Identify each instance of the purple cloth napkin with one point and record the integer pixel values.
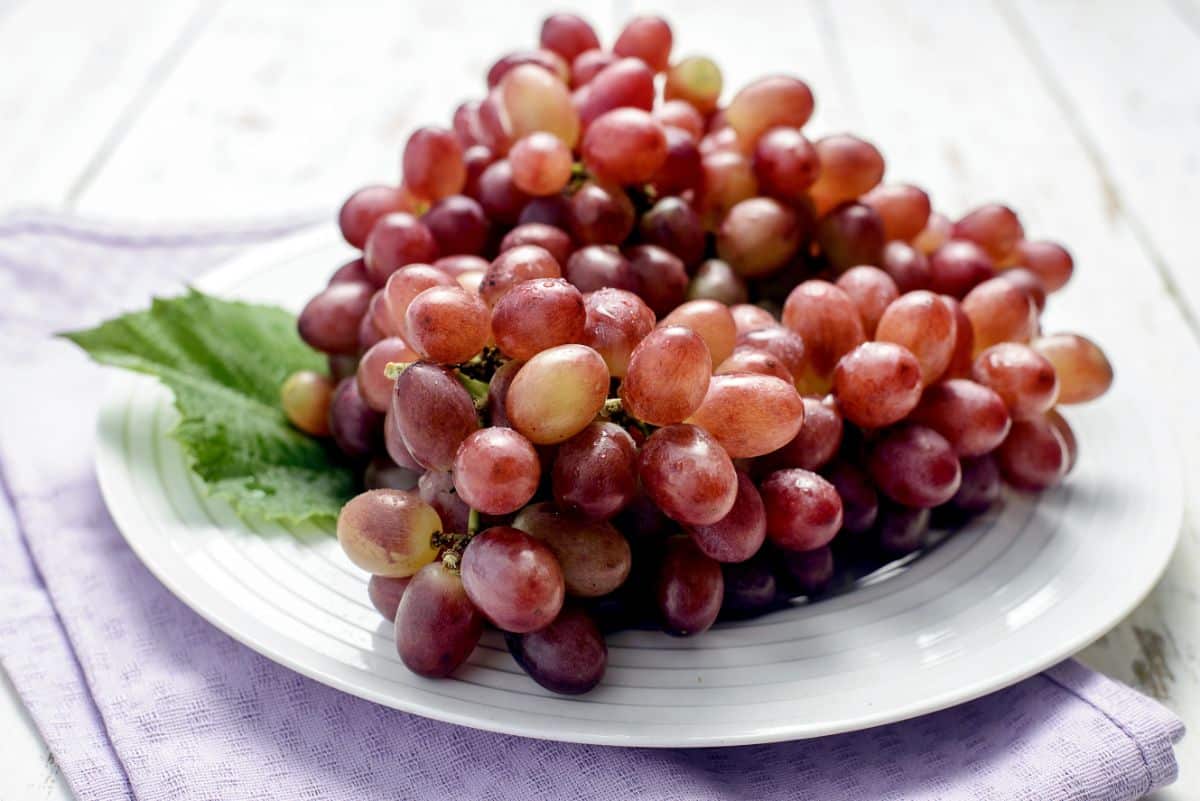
(139, 698)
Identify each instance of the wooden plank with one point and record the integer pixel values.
(1127, 74)
(72, 71)
(275, 111)
(965, 113)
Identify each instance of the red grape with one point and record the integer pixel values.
(993, 227)
(514, 266)
(667, 376)
(1050, 261)
(437, 625)
(356, 428)
(902, 529)
(387, 532)
(547, 59)
(647, 38)
(568, 656)
(447, 325)
(1000, 311)
(936, 233)
(972, 418)
(1029, 282)
(373, 385)
(433, 164)
(624, 146)
(727, 180)
(829, 324)
(595, 558)
(850, 167)
(904, 209)
(759, 236)
(1024, 378)
(851, 234)
(627, 82)
(683, 115)
(458, 224)
(711, 320)
(568, 35)
(536, 100)
(716, 280)
(499, 196)
(872, 291)
(750, 414)
(860, 501)
(329, 322)
(749, 318)
(600, 215)
(588, 65)
(803, 510)
(557, 393)
(907, 266)
(661, 277)
(555, 240)
(513, 579)
(598, 266)
(689, 589)
(396, 240)
(877, 384)
(1034, 455)
(1084, 372)
(595, 472)
(682, 167)
(433, 414)
(769, 102)
(782, 343)
(673, 225)
(818, 439)
(541, 164)
(406, 284)
(738, 535)
(385, 593)
(915, 466)
(687, 473)
(959, 266)
(616, 322)
(363, 209)
(786, 164)
(536, 315)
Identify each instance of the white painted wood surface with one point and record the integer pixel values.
(1083, 115)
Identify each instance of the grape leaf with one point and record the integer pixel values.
(225, 361)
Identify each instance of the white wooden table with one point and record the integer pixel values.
(1084, 115)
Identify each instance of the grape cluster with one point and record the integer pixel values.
(655, 358)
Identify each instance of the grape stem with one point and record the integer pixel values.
(394, 369)
(615, 412)
(477, 389)
(472, 522)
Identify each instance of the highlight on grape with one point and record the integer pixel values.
(612, 358)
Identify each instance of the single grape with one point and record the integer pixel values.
(432, 413)
(959, 266)
(750, 588)
(759, 236)
(476, 159)
(447, 325)
(459, 225)
(465, 122)
(829, 324)
(682, 168)
(673, 225)
(624, 146)
(1000, 311)
(352, 272)
(627, 82)
(782, 343)
(776, 100)
(877, 384)
(1029, 282)
(541, 164)
(436, 488)
(696, 80)
(818, 439)
(595, 558)
(305, 398)
(750, 415)
(536, 100)
(980, 488)
(872, 291)
(568, 35)
(682, 115)
(902, 529)
(588, 65)
(972, 418)
(363, 209)
(499, 195)
(496, 471)
(711, 320)
(1024, 378)
(662, 279)
(600, 215)
(727, 179)
(786, 164)
(569, 656)
(387, 532)
(375, 387)
(595, 472)
(1050, 261)
(616, 322)
(936, 233)
(1084, 372)
(515, 266)
(851, 234)
(330, 321)
(803, 509)
(557, 393)
(915, 466)
(433, 164)
(904, 209)
(963, 354)
(750, 360)
(720, 138)
(393, 443)
(459, 264)
(536, 315)
(925, 325)
(810, 572)
(716, 280)
(907, 266)
(1034, 456)
(554, 240)
(667, 377)
(385, 593)
(687, 473)
(396, 240)
(689, 590)
(383, 473)
(850, 167)
(552, 210)
(750, 318)
(513, 579)
(598, 266)
(548, 60)
(1060, 424)
(406, 284)
(437, 625)
(356, 428)
(738, 535)
(648, 38)
(860, 501)
(993, 227)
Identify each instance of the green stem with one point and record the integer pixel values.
(473, 522)
(478, 390)
(394, 369)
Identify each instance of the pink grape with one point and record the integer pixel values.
(568, 657)
(915, 466)
(396, 240)
(682, 115)
(600, 214)
(568, 35)
(588, 65)
(616, 322)
(500, 197)
(433, 414)
(993, 227)
(829, 324)
(447, 325)
(436, 488)
(1022, 377)
(667, 377)
(1048, 260)
(625, 146)
(907, 266)
(726, 180)
(959, 266)
(766, 103)
(373, 385)
(803, 509)
(738, 535)
(548, 60)
(758, 236)
(554, 240)
(536, 100)
(661, 277)
(817, 441)
(682, 168)
(686, 472)
(536, 315)
(557, 393)
(352, 272)
(541, 163)
(363, 209)
(513, 579)
(385, 593)
(433, 164)
(936, 233)
(1034, 455)
(749, 318)
(786, 164)
(458, 224)
(782, 343)
(406, 284)
(512, 267)
(712, 321)
(851, 234)
(689, 590)
(963, 354)
(1029, 282)
(850, 167)
(972, 418)
(1084, 372)
(598, 266)
(925, 325)
(496, 471)
(595, 472)
(437, 625)
(356, 428)
(904, 209)
(330, 321)
(647, 38)
(872, 291)
(627, 82)
(387, 532)
(1000, 311)
(745, 359)
(877, 384)
(750, 415)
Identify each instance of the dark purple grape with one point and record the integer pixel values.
(437, 626)
(356, 428)
(568, 656)
(690, 588)
(433, 414)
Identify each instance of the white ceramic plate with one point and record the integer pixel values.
(1019, 590)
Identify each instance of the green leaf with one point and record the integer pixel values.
(225, 361)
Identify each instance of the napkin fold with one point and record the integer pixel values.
(139, 698)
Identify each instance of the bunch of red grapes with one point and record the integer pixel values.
(657, 359)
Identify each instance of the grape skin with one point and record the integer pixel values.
(749, 414)
(668, 376)
(689, 590)
(513, 579)
(594, 557)
(738, 535)
(496, 471)
(387, 532)
(569, 656)
(437, 625)
(803, 510)
(688, 474)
